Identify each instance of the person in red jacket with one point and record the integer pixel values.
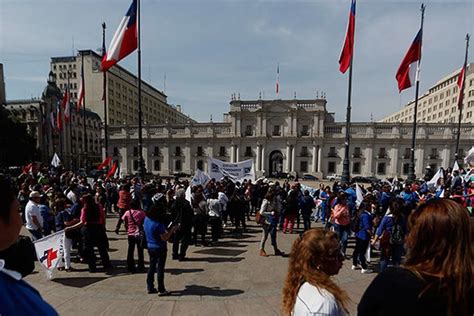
(123, 204)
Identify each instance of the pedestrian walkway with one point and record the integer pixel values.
(229, 278)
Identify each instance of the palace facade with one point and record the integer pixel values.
(293, 136)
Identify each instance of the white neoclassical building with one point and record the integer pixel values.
(294, 136)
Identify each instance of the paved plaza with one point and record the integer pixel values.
(229, 278)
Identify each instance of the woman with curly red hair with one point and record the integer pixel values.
(309, 289)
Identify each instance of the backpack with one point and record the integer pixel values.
(355, 223)
(396, 236)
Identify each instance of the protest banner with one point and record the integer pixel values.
(235, 171)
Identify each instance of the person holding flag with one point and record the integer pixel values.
(16, 296)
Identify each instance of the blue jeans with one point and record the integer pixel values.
(343, 232)
(157, 265)
(269, 229)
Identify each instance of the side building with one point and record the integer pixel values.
(67, 143)
(439, 103)
(293, 136)
(121, 93)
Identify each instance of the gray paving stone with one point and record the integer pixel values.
(229, 278)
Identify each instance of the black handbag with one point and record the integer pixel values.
(141, 237)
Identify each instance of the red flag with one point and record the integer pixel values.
(407, 72)
(59, 119)
(125, 39)
(278, 80)
(348, 48)
(80, 97)
(461, 86)
(112, 170)
(26, 169)
(65, 106)
(105, 163)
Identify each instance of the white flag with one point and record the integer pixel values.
(55, 162)
(200, 178)
(50, 251)
(360, 196)
(456, 166)
(434, 181)
(469, 159)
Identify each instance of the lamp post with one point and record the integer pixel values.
(50, 97)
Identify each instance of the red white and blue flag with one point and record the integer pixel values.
(125, 39)
(50, 252)
(408, 71)
(461, 85)
(66, 105)
(278, 80)
(347, 52)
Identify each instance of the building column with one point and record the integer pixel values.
(293, 156)
(420, 161)
(237, 153)
(369, 159)
(257, 167)
(288, 158)
(124, 163)
(232, 153)
(445, 156)
(187, 159)
(146, 162)
(262, 165)
(319, 158)
(394, 161)
(313, 168)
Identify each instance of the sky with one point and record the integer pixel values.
(210, 49)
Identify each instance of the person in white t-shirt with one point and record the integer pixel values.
(309, 290)
(34, 220)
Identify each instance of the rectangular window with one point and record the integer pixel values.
(331, 167)
(357, 152)
(304, 166)
(332, 152)
(276, 130)
(200, 152)
(177, 165)
(406, 168)
(356, 167)
(177, 151)
(381, 168)
(222, 151)
(248, 151)
(135, 165)
(135, 151)
(157, 165)
(305, 130)
(382, 153)
(304, 151)
(434, 153)
(116, 151)
(200, 165)
(248, 130)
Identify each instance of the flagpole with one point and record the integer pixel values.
(461, 92)
(411, 171)
(141, 163)
(70, 119)
(345, 178)
(104, 96)
(84, 109)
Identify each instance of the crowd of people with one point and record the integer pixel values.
(156, 212)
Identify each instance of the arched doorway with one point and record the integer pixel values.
(276, 162)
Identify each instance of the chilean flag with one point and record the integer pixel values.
(80, 97)
(112, 170)
(65, 105)
(105, 163)
(348, 48)
(125, 39)
(461, 85)
(278, 80)
(407, 72)
(59, 120)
